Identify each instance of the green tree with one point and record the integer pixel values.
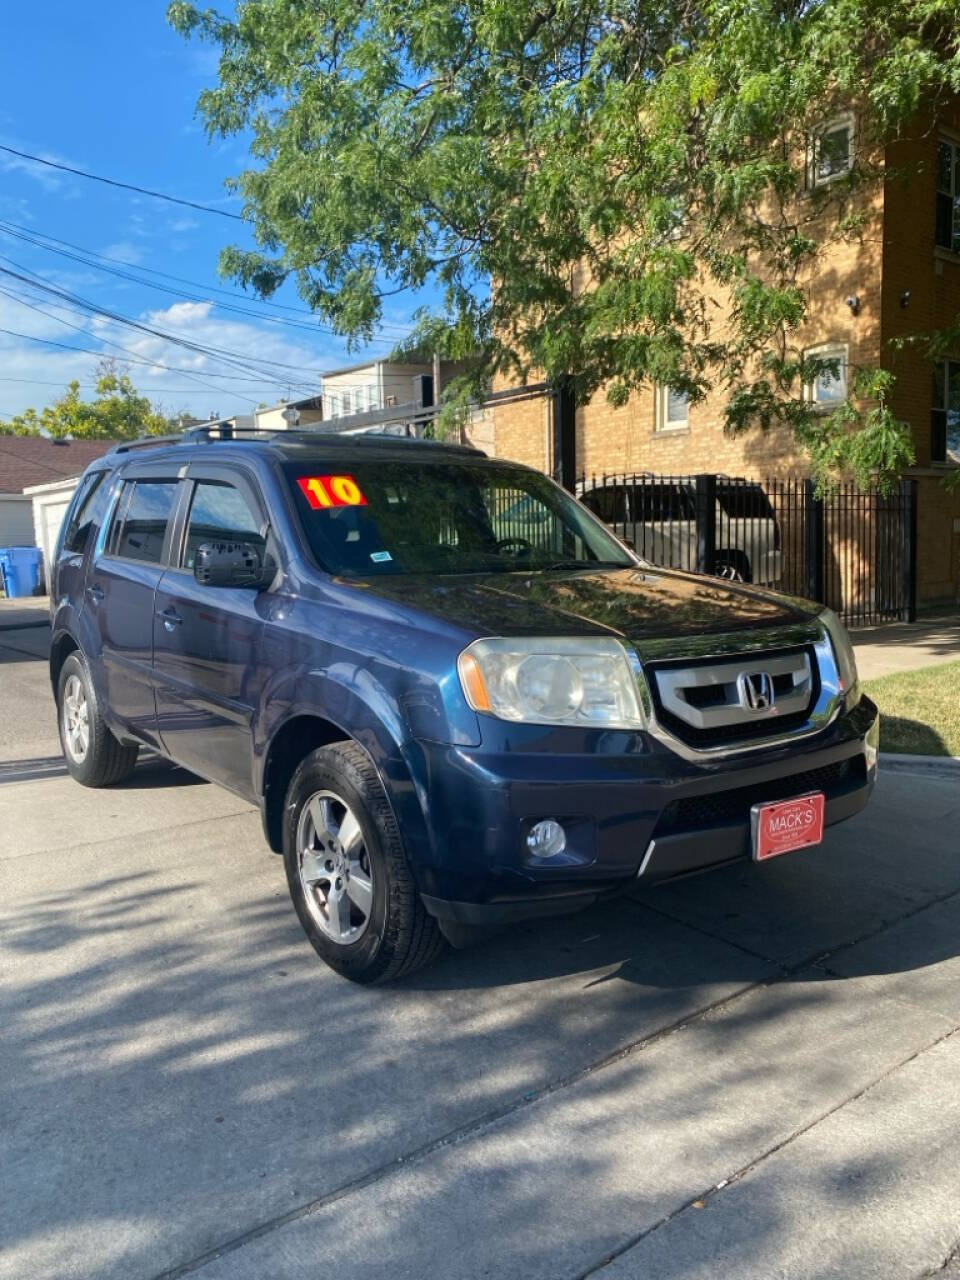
(575, 178)
(118, 412)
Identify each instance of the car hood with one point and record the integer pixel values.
(631, 603)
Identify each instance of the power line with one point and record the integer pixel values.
(135, 278)
(39, 240)
(126, 186)
(129, 358)
(45, 382)
(60, 320)
(223, 355)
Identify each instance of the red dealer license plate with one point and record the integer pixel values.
(786, 826)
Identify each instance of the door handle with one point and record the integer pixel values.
(169, 617)
(95, 593)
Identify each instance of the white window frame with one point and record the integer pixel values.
(829, 351)
(846, 120)
(661, 423)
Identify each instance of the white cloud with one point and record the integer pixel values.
(124, 251)
(49, 179)
(181, 385)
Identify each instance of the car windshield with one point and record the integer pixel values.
(369, 518)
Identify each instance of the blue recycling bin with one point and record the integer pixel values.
(21, 568)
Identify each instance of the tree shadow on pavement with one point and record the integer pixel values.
(178, 1067)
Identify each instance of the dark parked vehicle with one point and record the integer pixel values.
(444, 724)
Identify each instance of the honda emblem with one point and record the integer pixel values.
(756, 691)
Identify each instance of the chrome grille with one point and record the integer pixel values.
(728, 700)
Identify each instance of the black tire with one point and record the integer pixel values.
(399, 935)
(106, 760)
(732, 565)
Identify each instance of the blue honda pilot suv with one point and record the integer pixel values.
(455, 697)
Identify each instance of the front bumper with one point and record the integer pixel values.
(631, 808)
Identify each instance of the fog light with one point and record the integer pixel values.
(546, 838)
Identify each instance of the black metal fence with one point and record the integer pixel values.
(852, 549)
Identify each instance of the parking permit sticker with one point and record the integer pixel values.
(380, 557)
(331, 491)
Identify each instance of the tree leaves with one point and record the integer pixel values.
(608, 190)
(117, 413)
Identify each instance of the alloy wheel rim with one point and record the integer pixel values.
(334, 867)
(76, 719)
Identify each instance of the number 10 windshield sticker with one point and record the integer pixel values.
(331, 491)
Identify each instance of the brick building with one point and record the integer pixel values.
(899, 276)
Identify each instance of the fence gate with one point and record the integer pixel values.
(853, 549)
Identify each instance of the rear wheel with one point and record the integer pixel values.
(347, 871)
(93, 755)
(732, 565)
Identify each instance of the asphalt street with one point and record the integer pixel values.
(755, 1073)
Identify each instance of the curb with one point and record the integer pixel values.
(24, 626)
(944, 766)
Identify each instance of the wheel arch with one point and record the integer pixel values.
(291, 742)
(60, 650)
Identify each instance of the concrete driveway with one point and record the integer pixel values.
(751, 1074)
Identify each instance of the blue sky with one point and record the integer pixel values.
(110, 88)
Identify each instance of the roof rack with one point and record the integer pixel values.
(203, 434)
(147, 442)
(200, 434)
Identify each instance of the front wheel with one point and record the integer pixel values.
(347, 871)
(93, 755)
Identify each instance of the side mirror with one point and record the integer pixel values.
(232, 564)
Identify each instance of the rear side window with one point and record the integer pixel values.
(744, 502)
(661, 502)
(86, 513)
(220, 513)
(143, 514)
(609, 503)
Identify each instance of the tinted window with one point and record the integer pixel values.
(145, 513)
(220, 513)
(660, 502)
(442, 517)
(608, 503)
(744, 502)
(86, 513)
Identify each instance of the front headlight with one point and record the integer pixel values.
(842, 651)
(587, 682)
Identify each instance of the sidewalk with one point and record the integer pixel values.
(905, 646)
(28, 611)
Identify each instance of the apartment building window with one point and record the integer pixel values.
(945, 414)
(948, 195)
(673, 409)
(831, 153)
(829, 388)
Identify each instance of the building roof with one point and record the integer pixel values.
(30, 460)
(355, 368)
(412, 360)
